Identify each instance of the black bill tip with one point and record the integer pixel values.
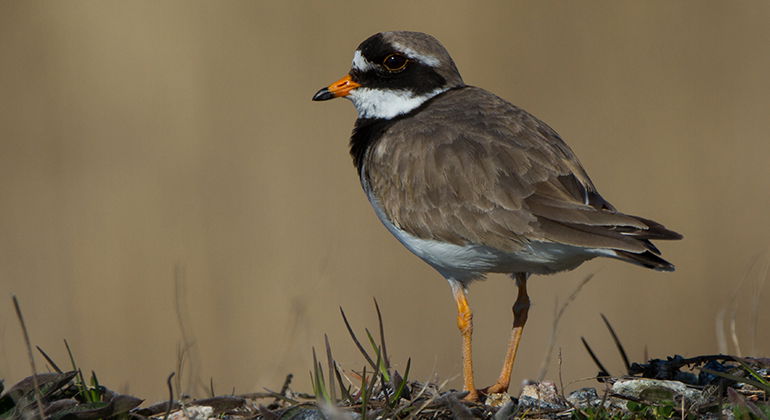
(323, 95)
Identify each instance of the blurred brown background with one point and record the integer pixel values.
(136, 137)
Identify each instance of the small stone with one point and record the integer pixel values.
(583, 397)
(543, 391)
(655, 389)
(197, 412)
(529, 403)
(497, 400)
(303, 412)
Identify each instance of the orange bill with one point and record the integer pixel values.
(337, 89)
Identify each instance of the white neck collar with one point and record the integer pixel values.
(387, 103)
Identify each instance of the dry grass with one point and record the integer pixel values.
(726, 385)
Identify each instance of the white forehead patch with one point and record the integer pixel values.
(425, 59)
(360, 63)
(387, 103)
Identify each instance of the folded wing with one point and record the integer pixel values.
(498, 176)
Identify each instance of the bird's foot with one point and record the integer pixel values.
(497, 388)
(473, 396)
(476, 394)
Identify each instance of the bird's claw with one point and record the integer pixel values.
(495, 389)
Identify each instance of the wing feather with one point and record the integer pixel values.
(472, 168)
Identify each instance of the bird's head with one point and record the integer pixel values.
(394, 73)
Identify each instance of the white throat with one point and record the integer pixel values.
(387, 103)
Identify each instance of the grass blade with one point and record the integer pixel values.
(401, 385)
(602, 371)
(330, 359)
(617, 343)
(751, 371)
(80, 381)
(343, 390)
(49, 360)
(313, 383)
(320, 388)
(355, 340)
(95, 392)
(373, 382)
(27, 342)
(738, 379)
(314, 376)
(382, 335)
(364, 395)
(381, 368)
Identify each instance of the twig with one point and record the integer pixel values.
(170, 395)
(38, 396)
(734, 333)
(423, 406)
(412, 401)
(561, 380)
(286, 383)
(555, 326)
(273, 394)
(188, 345)
(266, 413)
(181, 351)
(719, 320)
(734, 306)
(756, 302)
(564, 397)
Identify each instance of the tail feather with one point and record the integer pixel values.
(655, 230)
(645, 259)
(572, 212)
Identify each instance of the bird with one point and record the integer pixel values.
(473, 184)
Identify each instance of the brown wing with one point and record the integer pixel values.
(472, 168)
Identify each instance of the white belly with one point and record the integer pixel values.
(466, 263)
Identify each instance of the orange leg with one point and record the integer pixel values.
(465, 324)
(520, 311)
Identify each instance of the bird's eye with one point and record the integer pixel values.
(395, 62)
